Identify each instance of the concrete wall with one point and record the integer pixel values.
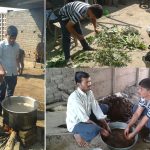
(105, 81)
(124, 77)
(143, 72)
(30, 27)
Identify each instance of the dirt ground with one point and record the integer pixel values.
(31, 83)
(123, 15)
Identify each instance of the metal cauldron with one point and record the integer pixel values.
(120, 125)
(20, 112)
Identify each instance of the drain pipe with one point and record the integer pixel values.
(137, 76)
(113, 80)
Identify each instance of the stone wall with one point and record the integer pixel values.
(105, 81)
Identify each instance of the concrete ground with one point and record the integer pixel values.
(59, 138)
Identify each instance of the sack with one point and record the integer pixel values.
(52, 15)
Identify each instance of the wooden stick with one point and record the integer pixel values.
(10, 142)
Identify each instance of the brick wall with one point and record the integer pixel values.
(30, 27)
(105, 81)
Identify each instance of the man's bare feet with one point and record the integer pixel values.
(81, 142)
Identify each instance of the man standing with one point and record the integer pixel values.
(82, 108)
(71, 14)
(9, 51)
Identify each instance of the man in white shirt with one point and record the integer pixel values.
(80, 108)
(9, 52)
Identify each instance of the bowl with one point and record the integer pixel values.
(120, 125)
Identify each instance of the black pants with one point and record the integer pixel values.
(66, 39)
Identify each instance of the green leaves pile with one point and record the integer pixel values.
(114, 43)
(112, 57)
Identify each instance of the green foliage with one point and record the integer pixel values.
(57, 61)
(112, 57)
(113, 44)
(90, 39)
(125, 38)
(84, 57)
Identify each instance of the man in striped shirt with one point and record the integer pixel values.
(141, 111)
(70, 15)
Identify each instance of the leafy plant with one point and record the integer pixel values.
(90, 39)
(112, 42)
(84, 57)
(112, 57)
(56, 61)
(125, 38)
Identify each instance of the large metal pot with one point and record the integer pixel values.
(121, 125)
(20, 112)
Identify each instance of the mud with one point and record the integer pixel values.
(117, 139)
(120, 109)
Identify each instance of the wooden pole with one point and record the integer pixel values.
(113, 80)
(10, 142)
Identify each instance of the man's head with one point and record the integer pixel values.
(95, 11)
(144, 88)
(83, 81)
(11, 34)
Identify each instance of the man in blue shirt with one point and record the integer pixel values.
(9, 52)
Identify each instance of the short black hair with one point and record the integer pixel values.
(79, 75)
(12, 31)
(97, 10)
(145, 83)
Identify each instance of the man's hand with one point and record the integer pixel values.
(2, 73)
(130, 136)
(104, 132)
(96, 31)
(104, 125)
(126, 131)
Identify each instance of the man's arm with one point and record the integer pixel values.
(2, 73)
(138, 127)
(93, 20)
(104, 125)
(70, 27)
(135, 116)
(17, 56)
(141, 124)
